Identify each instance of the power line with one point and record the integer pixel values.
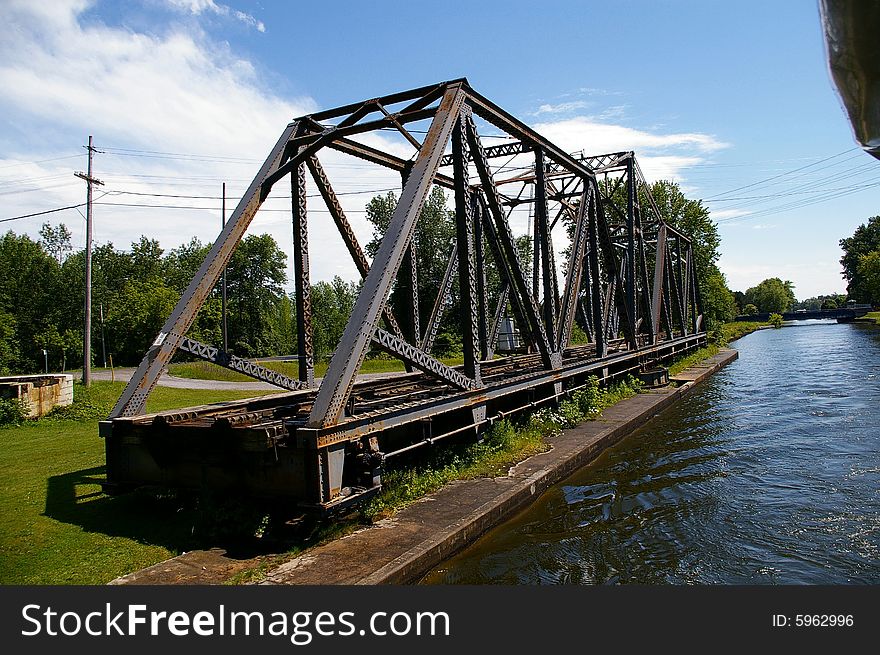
(774, 177)
(195, 197)
(213, 209)
(48, 211)
(797, 204)
(796, 193)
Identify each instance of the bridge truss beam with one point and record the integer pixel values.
(599, 206)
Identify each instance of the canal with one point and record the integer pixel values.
(767, 473)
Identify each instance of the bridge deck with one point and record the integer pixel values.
(268, 439)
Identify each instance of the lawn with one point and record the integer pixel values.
(56, 525)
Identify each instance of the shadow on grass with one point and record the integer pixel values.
(148, 517)
(178, 521)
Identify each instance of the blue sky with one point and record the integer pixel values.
(733, 100)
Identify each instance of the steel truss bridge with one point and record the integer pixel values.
(628, 280)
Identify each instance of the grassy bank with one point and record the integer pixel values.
(728, 332)
(56, 525)
(505, 444)
(208, 371)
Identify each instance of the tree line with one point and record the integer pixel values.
(134, 290)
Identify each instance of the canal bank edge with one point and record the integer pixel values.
(402, 549)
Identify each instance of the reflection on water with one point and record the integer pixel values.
(768, 473)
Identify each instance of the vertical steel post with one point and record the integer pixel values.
(543, 233)
(304, 347)
(482, 302)
(536, 248)
(644, 292)
(686, 282)
(657, 296)
(595, 280)
(630, 280)
(464, 230)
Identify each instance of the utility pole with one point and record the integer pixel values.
(87, 332)
(223, 296)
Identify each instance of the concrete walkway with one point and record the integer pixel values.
(402, 549)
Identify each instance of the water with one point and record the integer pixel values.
(767, 473)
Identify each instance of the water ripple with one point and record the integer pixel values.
(768, 474)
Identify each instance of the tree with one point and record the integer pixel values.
(719, 305)
(30, 292)
(435, 234)
(869, 276)
(9, 355)
(332, 303)
(750, 310)
(772, 295)
(864, 240)
(692, 218)
(255, 276)
(134, 320)
(56, 241)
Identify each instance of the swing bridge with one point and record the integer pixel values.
(627, 281)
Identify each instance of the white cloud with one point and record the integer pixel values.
(661, 156)
(197, 7)
(173, 92)
(584, 133)
(562, 107)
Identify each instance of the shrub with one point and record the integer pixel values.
(13, 411)
(775, 320)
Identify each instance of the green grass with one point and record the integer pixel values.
(56, 526)
(209, 371)
(736, 329)
(727, 333)
(689, 360)
(874, 315)
(505, 444)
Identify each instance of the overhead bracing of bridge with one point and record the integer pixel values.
(625, 277)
